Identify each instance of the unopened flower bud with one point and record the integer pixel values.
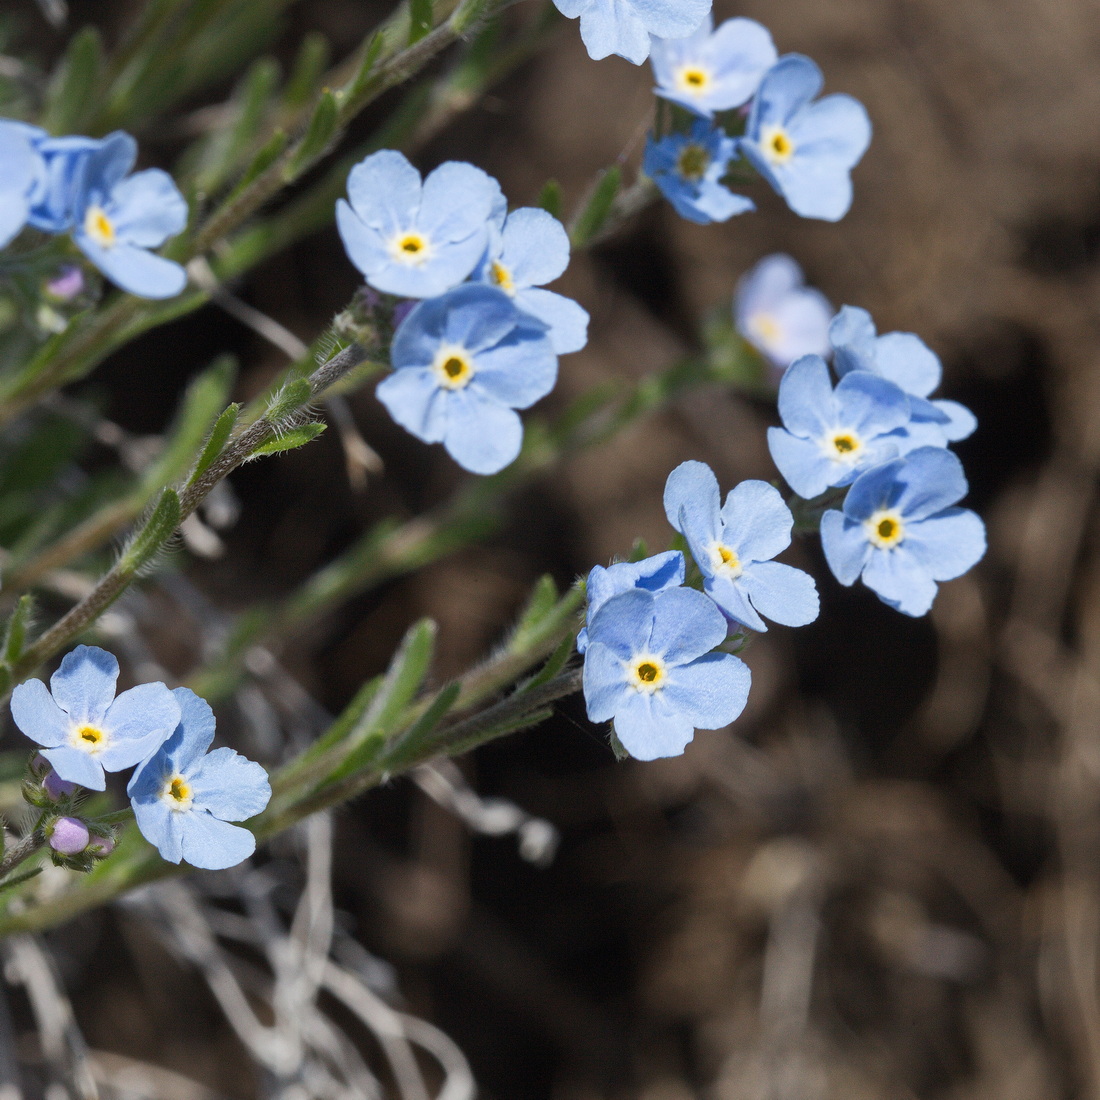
(56, 787)
(66, 284)
(69, 836)
(101, 846)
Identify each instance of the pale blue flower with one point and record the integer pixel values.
(653, 574)
(185, 797)
(624, 27)
(900, 531)
(527, 249)
(463, 363)
(83, 728)
(119, 217)
(412, 238)
(908, 362)
(20, 170)
(713, 70)
(649, 669)
(56, 194)
(779, 315)
(688, 168)
(806, 150)
(733, 545)
(828, 437)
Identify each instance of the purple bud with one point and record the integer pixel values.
(40, 766)
(101, 845)
(66, 284)
(69, 836)
(56, 787)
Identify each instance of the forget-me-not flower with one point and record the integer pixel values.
(829, 436)
(84, 730)
(900, 531)
(20, 169)
(417, 239)
(624, 27)
(463, 363)
(779, 315)
(57, 191)
(528, 248)
(733, 544)
(906, 360)
(119, 217)
(184, 797)
(713, 70)
(688, 168)
(806, 150)
(653, 574)
(650, 669)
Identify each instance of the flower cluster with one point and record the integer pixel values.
(650, 644)
(879, 432)
(804, 147)
(485, 337)
(184, 797)
(86, 187)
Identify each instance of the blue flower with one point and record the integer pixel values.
(20, 169)
(688, 169)
(411, 238)
(900, 532)
(185, 797)
(733, 545)
(653, 574)
(57, 191)
(463, 363)
(713, 70)
(806, 150)
(828, 437)
(908, 362)
(779, 315)
(649, 668)
(83, 728)
(118, 217)
(527, 249)
(624, 27)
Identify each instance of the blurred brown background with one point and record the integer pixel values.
(884, 881)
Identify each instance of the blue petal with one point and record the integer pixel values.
(790, 84)
(947, 544)
(38, 716)
(653, 574)
(909, 362)
(845, 544)
(137, 723)
(605, 685)
(482, 435)
(623, 27)
(692, 501)
(147, 209)
(624, 623)
(567, 321)
(685, 625)
(535, 247)
(733, 601)
(900, 581)
(852, 334)
(832, 133)
(961, 421)
(931, 479)
(194, 733)
(133, 269)
(807, 406)
(84, 685)
(230, 786)
(76, 766)
(870, 404)
(757, 521)
(365, 246)
(801, 462)
(211, 844)
(785, 595)
(413, 398)
(648, 732)
(710, 692)
(161, 826)
(106, 167)
(473, 316)
(456, 203)
(764, 287)
(385, 192)
(803, 323)
(519, 370)
(421, 332)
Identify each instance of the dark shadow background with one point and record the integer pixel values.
(883, 881)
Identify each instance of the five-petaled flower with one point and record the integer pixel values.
(83, 728)
(184, 797)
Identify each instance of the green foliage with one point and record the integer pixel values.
(154, 534)
(291, 439)
(73, 93)
(593, 216)
(15, 633)
(219, 435)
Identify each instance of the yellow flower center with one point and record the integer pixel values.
(693, 80)
(502, 277)
(725, 562)
(90, 739)
(885, 529)
(777, 145)
(843, 446)
(693, 162)
(453, 368)
(766, 329)
(177, 793)
(410, 248)
(646, 673)
(99, 227)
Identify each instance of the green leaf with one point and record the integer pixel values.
(550, 198)
(554, 664)
(15, 635)
(289, 400)
(359, 83)
(540, 605)
(73, 93)
(309, 67)
(617, 747)
(421, 18)
(591, 219)
(318, 136)
(291, 440)
(410, 741)
(16, 880)
(157, 530)
(219, 434)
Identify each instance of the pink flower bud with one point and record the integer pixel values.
(69, 836)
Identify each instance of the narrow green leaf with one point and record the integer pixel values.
(358, 83)
(554, 664)
(16, 880)
(421, 18)
(592, 217)
(157, 530)
(73, 93)
(309, 67)
(550, 198)
(219, 434)
(15, 636)
(410, 741)
(618, 748)
(318, 136)
(291, 440)
(289, 400)
(348, 719)
(540, 605)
